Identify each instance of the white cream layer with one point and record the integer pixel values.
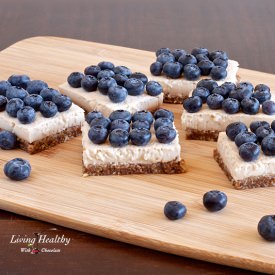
(42, 127)
(95, 101)
(94, 154)
(238, 168)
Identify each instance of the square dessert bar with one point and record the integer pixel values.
(116, 146)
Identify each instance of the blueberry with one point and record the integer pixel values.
(201, 57)
(121, 114)
(26, 115)
(92, 115)
(249, 151)
(262, 87)
(139, 124)
(106, 65)
(156, 68)
(153, 88)
(165, 134)
(174, 210)
(74, 79)
(250, 106)
(200, 50)
(268, 145)
(135, 87)
(218, 73)
(266, 227)
(256, 124)
(268, 107)
(172, 69)
(202, 92)
(240, 93)
(120, 79)
(162, 50)
(233, 129)
(17, 169)
(89, 83)
(231, 105)
(143, 115)
(187, 59)
(62, 102)
(122, 70)
(262, 95)
(273, 125)
(140, 137)
(218, 54)
(244, 137)
(19, 80)
(207, 83)
(7, 140)
(119, 138)
(48, 109)
(191, 72)
(192, 104)
(13, 106)
(117, 94)
(36, 86)
(164, 113)
(16, 92)
(162, 121)
(92, 70)
(205, 66)
(214, 200)
(263, 132)
(103, 121)
(104, 84)
(119, 124)
(140, 76)
(220, 62)
(246, 85)
(98, 134)
(221, 90)
(105, 73)
(177, 53)
(4, 85)
(3, 103)
(48, 93)
(214, 101)
(165, 57)
(229, 86)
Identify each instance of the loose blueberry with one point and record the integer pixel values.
(240, 93)
(231, 105)
(191, 72)
(229, 86)
(7, 140)
(174, 210)
(220, 62)
(156, 68)
(143, 115)
(273, 125)
(249, 151)
(268, 145)
(48, 109)
(162, 50)
(153, 88)
(250, 106)
(221, 90)
(245, 137)
(214, 200)
(164, 113)
(233, 129)
(268, 107)
(135, 87)
(201, 57)
(98, 134)
(262, 95)
(117, 94)
(263, 132)
(202, 92)
(119, 124)
(49, 93)
(36, 86)
(119, 138)
(120, 79)
(105, 73)
(106, 65)
(256, 124)
(74, 79)
(165, 134)
(187, 59)
(3, 103)
(92, 115)
(177, 53)
(172, 69)
(89, 83)
(121, 114)
(103, 121)
(218, 54)
(192, 104)
(140, 76)
(140, 137)
(205, 66)
(4, 85)
(214, 101)
(62, 102)
(266, 227)
(139, 124)
(122, 70)
(26, 115)
(218, 73)
(246, 85)
(13, 106)
(200, 50)
(19, 80)
(16, 92)
(207, 83)
(105, 83)
(17, 169)
(162, 121)
(165, 57)
(92, 70)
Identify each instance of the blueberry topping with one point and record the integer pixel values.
(273, 125)
(172, 69)
(201, 57)
(119, 138)
(89, 83)
(202, 92)
(7, 140)
(103, 121)
(74, 79)
(266, 227)
(140, 137)
(98, 134)
(139, 124)
(165, 57)
(164, 113)
(17, 169)
(153, 88)
(177, 53)
(192, 104)
(122, 70)
(209, 84)
(218, 73)
(143, 115)
(246, 85)
(174, 210)
(214, 200)
(49, 93)
(119, 124)
(165, 134)
(121, 114)
(187, 59)
(218, 54)
(117, 94)
(105, 83)
(120, 79)
(229, 86)
(262, 87)
(221, 90)
(13, 106)
(140, 76)
(105, 73)
(250, 106)
(214, 101)
(36, 86)
(62, 102)
(220, 62)
(263, 132)
(205, 66)
(92, 115)
(4, 85)
(262, 95)
(135, 87)
(92, 70)
(162, 50)
(26, 115)
(233, 129)
(191, 72)
(231, 105)
(268, 145)
(200, 50)
(19, 80)
(3, 103)
(156, 68)
(240, 93)
(256, 124)
(16, 92)
(162, 121)
(106, 65)
(268, 107)
(48, 109)
(249, 151)
(245, 137)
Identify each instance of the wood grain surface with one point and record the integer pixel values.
(129, 208)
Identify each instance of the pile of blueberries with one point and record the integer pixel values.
(122, 127)
(230, 97)
(201, 62)
(250, 143)
(114, 82)
(21, 97)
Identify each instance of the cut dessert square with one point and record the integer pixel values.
(128, 146)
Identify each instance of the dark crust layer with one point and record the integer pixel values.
(208, 135)
(171, 167)
(173, 99)
(247, 183)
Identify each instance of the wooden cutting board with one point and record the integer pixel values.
(130, 208)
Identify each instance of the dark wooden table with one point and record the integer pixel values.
(244, 28)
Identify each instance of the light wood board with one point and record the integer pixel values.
(130, 208)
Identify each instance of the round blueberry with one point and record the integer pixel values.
(13, 106)
(245, 137)
(262, 87)
(35, 86)
(122, 70)
(250, 106)
(17, 169)
(187, 59)
(231, 105)
(246, 85)
(119, 138)
(174, 210)
(214, 200)
(263, 132)
(266, 227)
(7, 140)
(218, 73)
(221, 90)
(202, 92)
(139, 124)
(249, 151)
(156, 68)
(177, 53)
(98, 134)
(4, 85)
(162, 50)
(165, 134)
(201, 57)
(207, 83)
(3, 103)
(120, 79)
(268, 145)
(48, 94)
(220, 62)
(205, 66)
(240, 93)
(153, 88)
(199, 50)
(262, 95)
(117, 94)
(89, 83)
(121, 114)
(135, 87)
(48, 109)
(92, 70)
(26, 115)
(16, 92)
(105, 83)
(92, 115)
(74, 79)
(229, 86)
(19, 80)
(106, 65)
(218, 54)
(191, 72)
(103, 121)
(140, 137)
(172, 69)
(140, 76)
(214, 101)
(233, 129)
(268, 107)
(192, 104)
(254, 125)
(164, 113)
(165, 57)
(105, 73)
(119, 124)
(162, 121)
(273, 125)
(62, 102)
(143, 115)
